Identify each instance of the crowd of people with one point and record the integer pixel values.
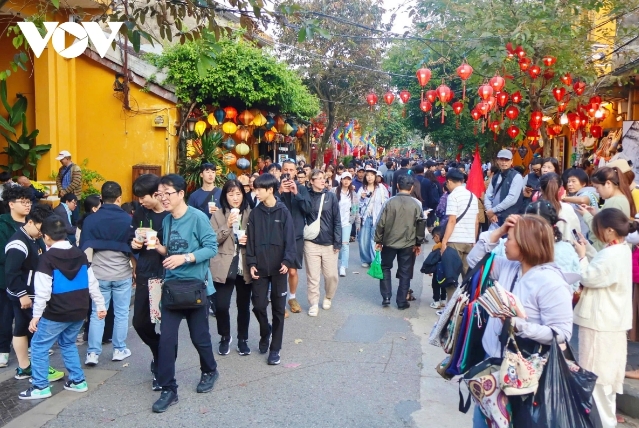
(558, 237)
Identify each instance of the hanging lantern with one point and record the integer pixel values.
(522, 151)
(229, 128)
(513, 131)
(485, 92)
(596, 101)
(534, 124)
(242, 134)
(219, 115)
(279, 123)
(425, 106)
(423, 77)
(492, 102)
(270, 122)
(502, 99)
(389, 97)
(559, 93)
(371, 100)
(483, 107)
(583, 120)
(497, 83)
(534, 71)
(287, 129)
(464, 72)
(596, 131)
(259, 120)
(566, 79)
(549, 74)
(476, 115)
(211, 120)
(549, 61)
(269, 136)
(457, 109)
(524, 64)
(243, 163)
(229, 159)
(246, 117)
(242, 149)
(579, 87)
(445, 95)
(495, 126)
(556, 129)
(229, 143)
(592, 110)
(200, 127)
(404, 96)
(537, 116)
(520, 52)
(561, 107)
(574, 121)
(516, 97)
(230, 113)
(512, 112)
(431, 95)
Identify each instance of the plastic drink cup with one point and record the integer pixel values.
(240, 233)
(235, 211)
(151, 239)
(140, 235)
(211, 205)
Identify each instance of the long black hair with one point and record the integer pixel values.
(90, 202)
(338, 191)
(546, 210)
(228, 186)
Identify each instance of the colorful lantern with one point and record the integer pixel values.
(389, 97)
(211, 120)
(516, 97)
(229, 159)
(513, 131)
(371, 99)
(242, 134)
(279, 123)
(596, 100)
(229, 143)
(592, 110)
(556, 128)
(243, 163)
(445, 95)
(534, 71)
(534, 124)
(242, 149)
(259, 119)
(246, 117)
(492, 102)
(230, 113)
(596, 131)
(559, 93)
(497, 82)
(566, 79)
(512, 112)
(270, 122)
(574, 121)
(561, 107)
(476, 115)
(583, 120)
(219, 115)
(579, 87)
(485, 92)
(287, 129)
(483, 107)
(229, 128)
(549, 61)
(431, 95)
(423, 76)
(464, 72)
(495, 126)
(269, 136)
(200, 127)
(524, 64)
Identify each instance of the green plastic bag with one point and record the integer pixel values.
(376, 267)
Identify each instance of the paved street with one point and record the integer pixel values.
(353, 366)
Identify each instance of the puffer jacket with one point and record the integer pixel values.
(397, 224)
(330, 222)
(221, 263)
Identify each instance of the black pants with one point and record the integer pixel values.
(223, 294)
(405, 265)
(439, 290)
(278, 305)
(198, 322)
(142, 317)
(6, 322)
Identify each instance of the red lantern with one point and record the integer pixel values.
(534, 124)
(534, 71)
(269, 136)
(371, 99)
(464, 72)
(536, 116)
(596, 100)
(561, 107)
(557, 129)
(559, 93)
(485, 92)
(524, 64)
(483, 107)
(549, 74)
(389, 97)
(425, 106)
(431, 95)
(404, 96)
(497, 82)
(492, 101)
(230, 113)
(476, 115)
(549, 61)
(502, 99)
(596, 131)
(445, 95)
(495, 126)
(592, 109)
(423, 76)
(516, 97)
(583, 120)
(579, 87)
(520, 52)
(458, 107)
(566, 79)
(512, 112)
(513, 131)
(574, 121)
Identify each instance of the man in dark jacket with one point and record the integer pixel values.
(298, 202)
(504, 194)
(35, 194)
(270, 252)
(403, 170)
(321, 252)
(397, 235)
(68, 203)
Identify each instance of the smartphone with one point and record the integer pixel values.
(576, 235)
(286, 177)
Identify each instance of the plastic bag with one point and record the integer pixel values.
(564, 396)
(376, 267)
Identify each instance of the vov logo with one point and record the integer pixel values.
(83, 33)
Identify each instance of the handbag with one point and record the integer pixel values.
(311, 231)
(376, 267)
(155, 295)
(235, 263)
(519, 375)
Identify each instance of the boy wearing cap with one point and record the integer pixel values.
(504, 194)
(208, 192)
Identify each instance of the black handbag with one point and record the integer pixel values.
(235, 262)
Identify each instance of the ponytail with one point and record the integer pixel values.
(550, 184)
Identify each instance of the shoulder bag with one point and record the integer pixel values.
(311, 231)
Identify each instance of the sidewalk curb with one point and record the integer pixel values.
(628, 402)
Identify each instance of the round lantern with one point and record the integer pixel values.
(549, 61)
(371, 99)
(559, 93)
(497, 82)
(592, 109)
(524, 64)
(549, 74)
(404, 96)
(516, 97)
(230, 112)
(537, 116)
(423, 76)
(574, 121)
(229, 143)
(243, 163)
(596, 100)
(229, 159)
(520, 51)
(534, 124)
(534, 71)
(556, 128)
(242, 149)
(445, 95)
(458, 107)
(200, 127)
(579, 87)
(431, 95)
(566, 79)
(513, 131)
(512, 112)
(212, 120)
(269, 136)
(492, 102)
(561, 107)
(242, 134)
(583, 120)
(464, 72)
(485, 92)
(231, 176)
(596, 131)
(495, 126)
(475, 114)
(219, 115)
(389, 97)
(425, 106)
(246, 117)
(259, 119)
(229, 128)
(502, 99)
(483, 107)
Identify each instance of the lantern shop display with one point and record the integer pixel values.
(242, 149)
(230, 113)
(259, 119)
(229, 128)
(200, 127)
(219, 115)
(212, 120)
(229, 159)
(229, 143)
(246, 117)
(243, 163)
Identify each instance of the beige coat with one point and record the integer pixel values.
(221, 263)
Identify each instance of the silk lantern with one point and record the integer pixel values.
(219, 115)
(445, 95)
(229, 128)
(457, 109)
(242, 149)
(242, 134)
(246, 117)
(230, 113)
(269, 136)
(476, 115)
(566, 79)
(371, 99)
(534, 71)
(520, 51)
(200, 127)
(561, 107)
(425, 106)
(502, 99)
(497, 82)
(431, 96)
(537, 116)
(259, 120)
(524, 64)
(512, 112)
(513, 131)
(549, 61)
(212, 120)
(516, 97)
(579, 87)
(243, 163)
(492, 102)
(423, 77)
(559, 93)
(596, 131)
(596, 101)
(464, 72)
(389, 97)
(229, 159)
(485, 92)
(270, 122)
(404, 96)
(230, 143)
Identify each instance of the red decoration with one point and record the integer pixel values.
(534, 124)
(445, 95)
(371, 99)
(583, 120)
(549, 61)
(512, 112)
(495, 126)
(537, 116)
(596, 100)
(464, 72)
(559, 93)
(502, 99)
(579, 87)
(485, 92)
(458, 107)
(516, 97)
(534, 71)
(566, 79)
(423, 76)
(549, 74)
(592, 109)
(476, 115)
(524, 64)
(431, 95)
(425, 106)
(497, 82)
(492, 101)
(520, 52)
(483, 107)
(513, 131)
(596, 131)
(389, 97)
(404, 96)
(561, 107)
(230, 113)
(574, 121)
(557, 129)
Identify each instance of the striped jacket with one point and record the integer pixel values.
(76, 180)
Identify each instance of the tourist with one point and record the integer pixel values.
(550, 165)
(626, 169)
(550, 183)
(397, 236)
(35, 194)
(372, 198)
(252, 195)
(260, 165)
(188, 243)
(431, 194)
(68, 204)
(275, 170)
(388, 174)
(531, 186)
(320, 253)
(229, 269)
(579, 193)
(349, 214)
(604, 311)
(504, 194)
(402, 170)
(270, 252)
(358, 181)
(108, 234)
(301, 177)
(149, 216)
(529, 273)
(64, 285)
(69, 179)
(208, 192)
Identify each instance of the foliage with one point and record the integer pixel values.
(23, 152)
(242, 72)
(89, 179)
(212, 152)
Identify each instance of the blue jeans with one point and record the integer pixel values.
(121, 293)
(344, 251)
(44, 338)
(479, 420)
(366, 252)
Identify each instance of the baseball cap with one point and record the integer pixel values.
(63, 154)
(346, 174)
(505, 154)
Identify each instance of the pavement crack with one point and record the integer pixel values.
(389, 355)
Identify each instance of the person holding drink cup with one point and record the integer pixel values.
(229, 268)
(207, 197)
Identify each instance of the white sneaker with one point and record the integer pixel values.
(342, 271)
(435, 305)
(91, 360)
(4, 359)
(326, 304)
(313, 311)
(365, 265)
(121, 355)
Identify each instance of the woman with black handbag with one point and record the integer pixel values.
(190, 243)
(229, 268)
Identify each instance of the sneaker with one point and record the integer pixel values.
(326, 304)
(295, 306)
(155, 386)
(274, 358)
(404, 306)
(264, 341)
(342, 271)
(207, 381)
(23, 373)
(167, 399)
(34, 393)
(4, 359)
(54, 374)
(439, 313)
(385, 302)
(119, 355)
(313, 311)
(243, 348)
(365, 265)
(211, 313)
(76, 386)
(91, 360)
(435, 305)
(225, 345)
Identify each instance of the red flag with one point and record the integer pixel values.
(475, 181)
